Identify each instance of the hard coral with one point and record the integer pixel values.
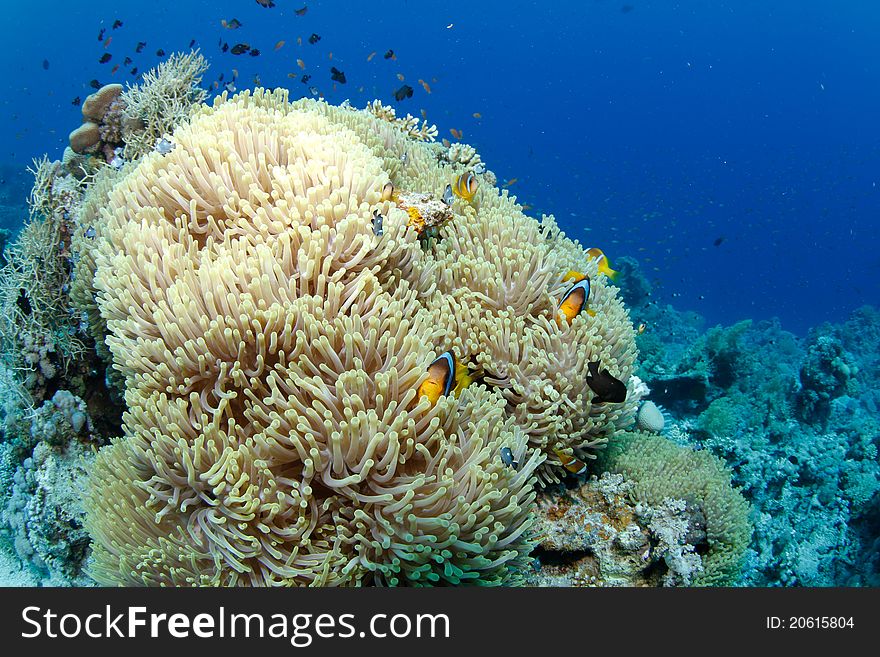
(272, 347)
(162, 101)
(661, 469)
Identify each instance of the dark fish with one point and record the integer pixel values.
(126, 61)
(718, 241)
(301, 12)
(134, 71)
(23, 303)
(140, 46)
(314, 38)
(90, 232)
(94, 84)
(405, 91)
(160, 53)
(101, 34)
(233, 24)
(225, 47)
(76, 101)
(45, 64)
(336, 75)
(377, 223)
(240, 48)
(305, 78)
(254, 53)
(507, 458)
(605, 386)
(389, 54)
(268, 4)
(117, 23)
(220, 79)
(192, 42)
(447, 195)
(106, 57)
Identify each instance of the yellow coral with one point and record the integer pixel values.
(272, 347)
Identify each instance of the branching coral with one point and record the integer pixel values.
(162, 101)
(36, 321)
(272, 346)
(409, 124)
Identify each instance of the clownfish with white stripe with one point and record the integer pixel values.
(604, 264)
(576, 298)
(446, 376)
(571, 463)
(465, 186)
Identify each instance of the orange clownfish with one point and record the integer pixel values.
(446, 376)
(465, 186)
(575, 300)
(604, 265)
(571, 463)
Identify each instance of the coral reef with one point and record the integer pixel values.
(795, 418)
(162, 101)
(596, 534)
(44, 513)
(661, 470)
(272, 346)
(39, 330)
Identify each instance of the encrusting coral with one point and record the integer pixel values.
(273, 343)
(660, 470)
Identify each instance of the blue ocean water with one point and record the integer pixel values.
(732, 146)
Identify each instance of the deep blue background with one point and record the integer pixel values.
(649, 128)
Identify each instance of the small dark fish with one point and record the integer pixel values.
(267, 4)
(220, 79)
(507, 458)
(447, 195)
(719, 241)
(314, 38)
(140, 46)
(192, 42)
(134, 71)
(254, 53)
(240, 48)
(90, 232)
(605, 386)
(45, 64)
(232, 24)
(305, 78)
(126, 61)
(389, 54)
(94, 84)
(225, 47)
(106, 57)
(76, 101)
(117, 23)
(301, 12)
(23, 303)
(336, 75)
(405, 91)
(101, 33)
(160, 53)
(377, 223)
